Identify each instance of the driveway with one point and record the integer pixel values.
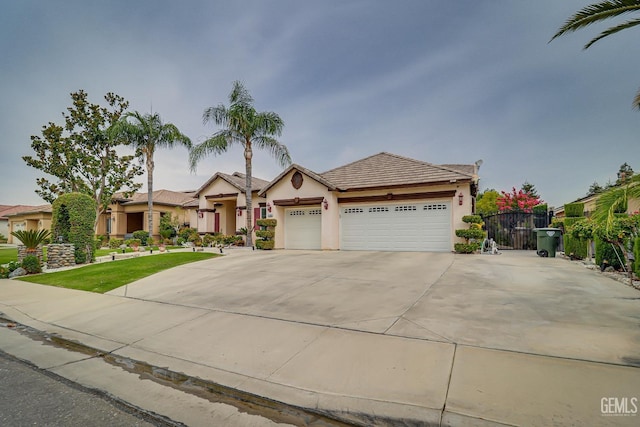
(515, 301)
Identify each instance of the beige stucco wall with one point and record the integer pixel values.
(32, 221)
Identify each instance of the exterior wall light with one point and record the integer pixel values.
(268, 207)
(460, 197)
(325, 203)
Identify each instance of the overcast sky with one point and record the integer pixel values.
(440, 81)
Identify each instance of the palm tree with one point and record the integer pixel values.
(599, 12)
(146, 133)
(242, 125)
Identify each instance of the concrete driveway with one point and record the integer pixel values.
(515, 301)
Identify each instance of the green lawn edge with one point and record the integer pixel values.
(106, 276)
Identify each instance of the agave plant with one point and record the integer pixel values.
(32, 238)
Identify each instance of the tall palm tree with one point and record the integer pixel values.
(242, 125)
(146, 133)
(599, 12)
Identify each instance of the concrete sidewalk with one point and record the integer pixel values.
(360, 376)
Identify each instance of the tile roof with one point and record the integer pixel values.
(30, 210)
(163, 197)
(388, 170)
(237, 179)
(6, 210)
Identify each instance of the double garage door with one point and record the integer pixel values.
(377, 227)
(398, 227)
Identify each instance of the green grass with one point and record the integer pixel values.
(107, 251)
(106, 276)
(7, 255)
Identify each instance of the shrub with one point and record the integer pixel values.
(540, 209)
(265, 234)
(208, 239)
(471, 233)
(115, 243)
(466, 248)
(32, 238)
(31, 264)
(267, 222)
(472, 219)
(132, 243)
(103, 241)
(4, 272)
(265, 244)
(574, 247)
(186, 232)
(574, 210)
(606, 253)
(180, 241)
(3, 238)
(142, 236)
(13, 265)
(73, 219)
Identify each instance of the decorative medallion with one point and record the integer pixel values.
(296, 180)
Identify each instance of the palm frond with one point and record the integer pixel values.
(597, 13)
(613, 30)
(636, 100)
(217, 144)
(278, 151)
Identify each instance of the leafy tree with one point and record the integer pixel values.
(73, 219)
(487, 202)
(146, 133)
(517, 201)
(595, 188)
(242, 125)
(530, 189)
(598, 12)
(624, 173)
(82, 155)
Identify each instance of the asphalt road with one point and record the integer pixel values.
(31, 397)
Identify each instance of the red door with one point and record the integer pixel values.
(216, 222)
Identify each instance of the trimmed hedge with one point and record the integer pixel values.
(265, 234)
(141, 235)
(540, 209)
(574, 210)
(466, 248)
(636, 255)
(605, 251)
(265, 244)
(73, 219)
(267, 222)
(471, 233)
(472, 219)
(575, 248)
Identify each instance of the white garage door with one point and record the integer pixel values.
(302, 228)
(17, 226)
(398, 227)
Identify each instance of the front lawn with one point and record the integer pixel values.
(103, 277)
(7, 255)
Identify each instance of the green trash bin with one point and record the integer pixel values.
(547, 240)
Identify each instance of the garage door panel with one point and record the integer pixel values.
(302, 228)
(403, 227)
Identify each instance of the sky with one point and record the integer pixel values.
(440, 81)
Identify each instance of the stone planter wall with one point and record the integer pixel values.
(22, 252)
(60, 255)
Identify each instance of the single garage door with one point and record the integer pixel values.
(398, 227)
(302, 228)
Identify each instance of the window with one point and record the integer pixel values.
(379, 209)
(353, 210)
(405, 208)
(435, 207)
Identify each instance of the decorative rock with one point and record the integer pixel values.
(18, 272)
(60, 255)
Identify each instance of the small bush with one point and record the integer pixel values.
(472, 219)
(265, 244)
(132, 242)
(636, 255)
(574, 210)
(31, 264)
(265, 234)
(575, 248)
(142, 236)
(13, 265)
(466, 248)
(606, 253)
(267, 222)
(4, 272)
(180, 241)
(471, 233)
(115, 243)
(540, 209)
(208, 239)
(186, 232)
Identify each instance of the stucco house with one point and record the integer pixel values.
(5, 211)
(222, 203)
(382, 202)
(31, 218)
(590, 203)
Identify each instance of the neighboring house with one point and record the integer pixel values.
(128, 214)
(30, 218)
(123, 216)
(590, 205)
(222, 203)
(5, 211)
(382, 202)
